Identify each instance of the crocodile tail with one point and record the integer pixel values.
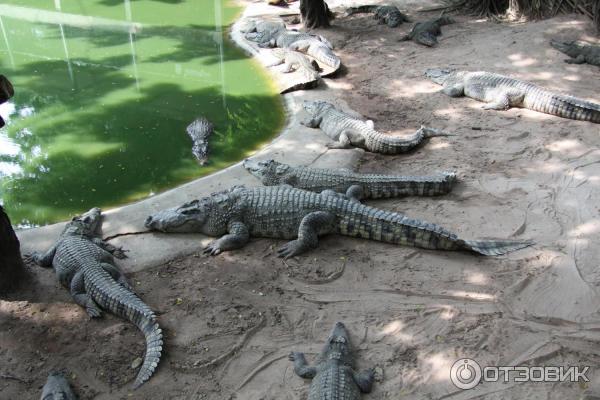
(324, 55)
(154, 342)
(496, 247)
(563, 106)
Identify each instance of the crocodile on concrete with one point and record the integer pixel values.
(426, 33)
(57, 388)
(84, 263)
(389, 15)
(199, 131)
(283, 212)
(348, 131)
(294, 60)
(333, 377)
(580, 52)
(502, 92)
(354, 185)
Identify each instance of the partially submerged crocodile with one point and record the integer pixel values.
(57, 388)
(333, 377)
(355, 186)
(293, 61)
(501, 92)
(580, 52)
(426, 33)
(389, 15)
(348, 131)
(283, 212)
(199, 131)
(83, 262)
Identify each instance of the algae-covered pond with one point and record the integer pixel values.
(103, 92)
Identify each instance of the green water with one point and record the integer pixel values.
(103, 92)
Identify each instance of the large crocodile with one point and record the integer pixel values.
(284, 212)
(389, 15)
(355, 186)
(348, 131)
(83, 262)
(295, 61)
(426, 33)
(57, 388)
(334, 377)
(580, 52)
(501, 92)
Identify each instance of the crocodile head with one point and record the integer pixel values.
(338, 346)
(439, 75)
(572, 49)
(87, 224)
(270, 172)
(57, 388)
(314, 107)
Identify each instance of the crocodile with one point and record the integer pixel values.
(389, 15)
(199, 131)
(284, 212)
(333, 376)
(355, 186)
(502, 92)
(348, 131)
(57, 388)
(84, 263)
(294, 60)
(426, 33)
(580, 52)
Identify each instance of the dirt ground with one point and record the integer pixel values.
(230, 321)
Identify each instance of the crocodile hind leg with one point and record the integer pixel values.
(343, 142)
(355, 193)
(313, 224)
(364, 380)
(82, 298)
(504, 100)
(580, 59)
(117, 275)
(237, 237)
(301, 367)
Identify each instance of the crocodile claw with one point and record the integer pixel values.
(92, 310)
(213, 248)
(290, 249)
(294, 355)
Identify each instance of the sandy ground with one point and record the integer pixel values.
(230, 321)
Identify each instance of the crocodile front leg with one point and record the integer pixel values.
(504, 100)
(580, 59)
(117, 252)
(82, 298)
(301, 367)
(312, 121)
(313, 224)
(237, 237)
(44, 260)
(454, 90)
(364, 380)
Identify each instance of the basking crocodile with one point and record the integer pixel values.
(57, 388)
(426, 33)
(294, 60)
(283, 212)
(83, 262)
(348, 131)
(389, 15)
(356, 186)
(580, 52)
(199, 131)
(501, 92)
(334, 378)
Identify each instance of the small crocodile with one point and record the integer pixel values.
(426, 33)
(83, 262)
(283, 212)
(199, 131)
(355, 186)
(389, 15)
(580, 52)
(348, 131)
(294, 60)
(57, 388)
(502, 92)
(334, 377)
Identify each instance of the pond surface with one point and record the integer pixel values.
(104, 90)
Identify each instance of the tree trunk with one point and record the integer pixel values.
(6, 92)
(315, 13)
(12, 269)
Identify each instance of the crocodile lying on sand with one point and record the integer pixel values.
(57, 388)
(501, 92)
(333, 377)
(199, 131)
(348, 131)
(355, 186)
(426, 33)
(389, 15)
(83, 262)
(294, 60)
(580, 52)
(283, 212)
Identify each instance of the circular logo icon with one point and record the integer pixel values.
(465, 373)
